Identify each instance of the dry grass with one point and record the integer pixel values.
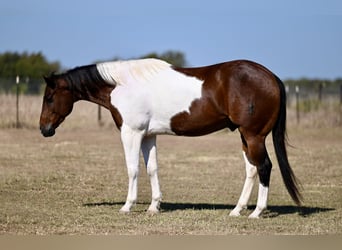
(75, 182)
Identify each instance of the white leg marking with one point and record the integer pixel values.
(251, 173)
(131, 140)
(262, 201)
(149, 150)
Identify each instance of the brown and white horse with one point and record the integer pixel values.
(149, 97)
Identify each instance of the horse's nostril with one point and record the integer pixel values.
(47, 131)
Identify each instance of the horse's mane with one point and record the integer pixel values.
(91, 78)
(83, 74)
(121, 72)
(84, 79)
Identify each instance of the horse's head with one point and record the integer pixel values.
(57, 104)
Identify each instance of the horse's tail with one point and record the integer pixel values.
(279, 140)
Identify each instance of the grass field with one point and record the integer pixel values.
(76, 181)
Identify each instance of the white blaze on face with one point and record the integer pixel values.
(149, 92)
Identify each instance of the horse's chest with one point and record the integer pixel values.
(152, 105)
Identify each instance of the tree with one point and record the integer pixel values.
(32, 65)
(29, 67)
(175, 58)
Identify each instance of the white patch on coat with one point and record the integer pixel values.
(149, 92)
(262, 201)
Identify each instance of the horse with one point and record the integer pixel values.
(148, 97)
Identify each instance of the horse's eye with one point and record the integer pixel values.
(49, 99)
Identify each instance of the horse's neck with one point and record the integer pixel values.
(99, 95)
(87, 84)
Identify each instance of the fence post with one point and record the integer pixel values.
(99, 116)
(297, 103)
(320, 90)
(287, 90)
(340, 104)
(17, 103)
(341, 94)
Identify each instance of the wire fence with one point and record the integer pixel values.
(307, 100)
(26, 85)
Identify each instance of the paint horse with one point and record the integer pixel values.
(149, 97)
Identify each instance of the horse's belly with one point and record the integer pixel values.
(189, 124)
(159, 127)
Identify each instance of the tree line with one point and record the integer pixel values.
(35, 65)
(30, 67)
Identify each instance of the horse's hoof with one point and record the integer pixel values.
(234, 214)
(256, 213)
(124, 211)
(153, 211)
(253, 216)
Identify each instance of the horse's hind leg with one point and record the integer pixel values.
(257, 161)
(251, 173)
(264, 171)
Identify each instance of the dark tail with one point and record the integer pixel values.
(279, 141)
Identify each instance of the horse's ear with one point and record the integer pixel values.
(50, 81)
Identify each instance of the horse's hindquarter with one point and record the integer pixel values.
(253, 96)
(235, 94)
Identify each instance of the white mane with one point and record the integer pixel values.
(121, 72)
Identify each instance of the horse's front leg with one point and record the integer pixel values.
(131, 140)
(149, 150)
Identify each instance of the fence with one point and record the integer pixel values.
(18, 86)
(307, 103)
(322, 98)
(26, 85)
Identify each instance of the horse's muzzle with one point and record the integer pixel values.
(47, 131)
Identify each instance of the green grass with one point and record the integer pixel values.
(75, 183)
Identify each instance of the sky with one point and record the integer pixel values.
(293, 38)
